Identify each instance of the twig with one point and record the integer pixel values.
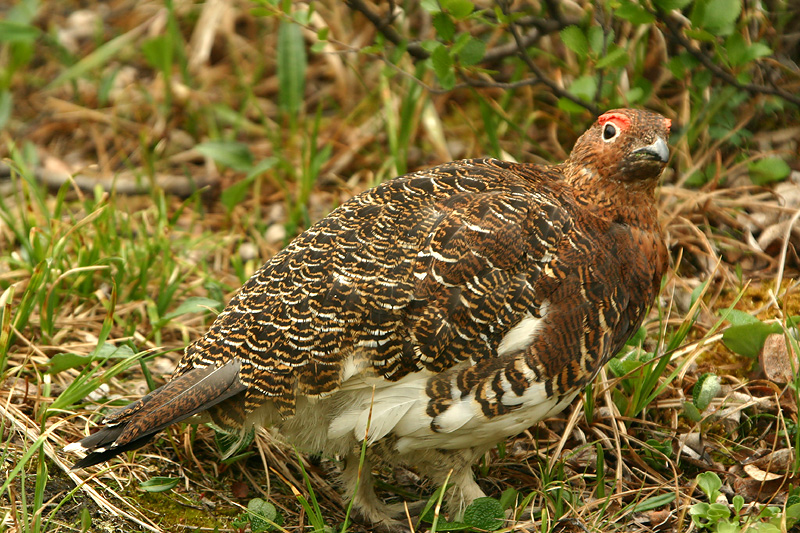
(384, 26)
(540, 76)
(716, 70)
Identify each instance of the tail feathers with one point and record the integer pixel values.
(136, 424)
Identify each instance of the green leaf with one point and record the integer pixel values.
(508, 498)
(634, 13)
(584, 87)
(485, 513)
(739, 318)
(574, 39)
(709, 483)
(235, 194)
(430, 6)
(159, 484)
(443, 67)
(669, 5)
(158, 52)
(741, 53)
(748, 340)
(616, 57)
(705, 390)
(758, 50)
(768, 170)
(654, 502)
(597, 36)
(691, 411)
(445, 28)
(232, 154)
(718, 16)
(736, 48)
(102, 55)
(195, 304)
(458, 8)
(65, 361)
(291, 68)
(6, 106)
(472, 52)
(14, 32)
(263, 515)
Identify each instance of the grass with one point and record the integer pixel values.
(232, 154)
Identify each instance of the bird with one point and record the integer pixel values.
(432, 316)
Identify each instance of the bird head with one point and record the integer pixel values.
(623, 145)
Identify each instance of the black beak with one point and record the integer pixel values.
(658, 151)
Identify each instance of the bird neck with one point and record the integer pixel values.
(629, 202)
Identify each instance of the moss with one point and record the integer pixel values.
(172, 508)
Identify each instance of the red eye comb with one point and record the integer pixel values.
(620, 118)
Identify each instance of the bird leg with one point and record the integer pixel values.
(366, 504)
(455, 468)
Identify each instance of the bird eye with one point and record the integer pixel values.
(609, 132)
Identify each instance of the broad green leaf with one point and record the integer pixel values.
(768, 170)
(710, 484)
(691, 411)
(574, 39)
(705, 390)
(430, 6)
(262, 515)
(758, 50)
(232, 154)
(472, 52)
(700, 35)
(749, 339)
(485, 513)
(719, 16)
(616, 57)
(291, 67)
(669, 5)
(443, 67)
(159, 484)
(584, 87)
(596, 36)
(445, 28)
(633, 12)
(741, 53)
(739, 318)
(736, 49)
(458, 8)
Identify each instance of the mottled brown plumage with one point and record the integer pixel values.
(475, 298)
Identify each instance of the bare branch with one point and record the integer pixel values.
(716, 70)
(540, 76)
(384, 26)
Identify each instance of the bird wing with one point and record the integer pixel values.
(417, 274)
(413, 276)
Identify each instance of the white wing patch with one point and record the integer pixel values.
(473, 428)
(390, 403)
(520, 336)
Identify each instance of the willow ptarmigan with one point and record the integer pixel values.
(434, 315)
